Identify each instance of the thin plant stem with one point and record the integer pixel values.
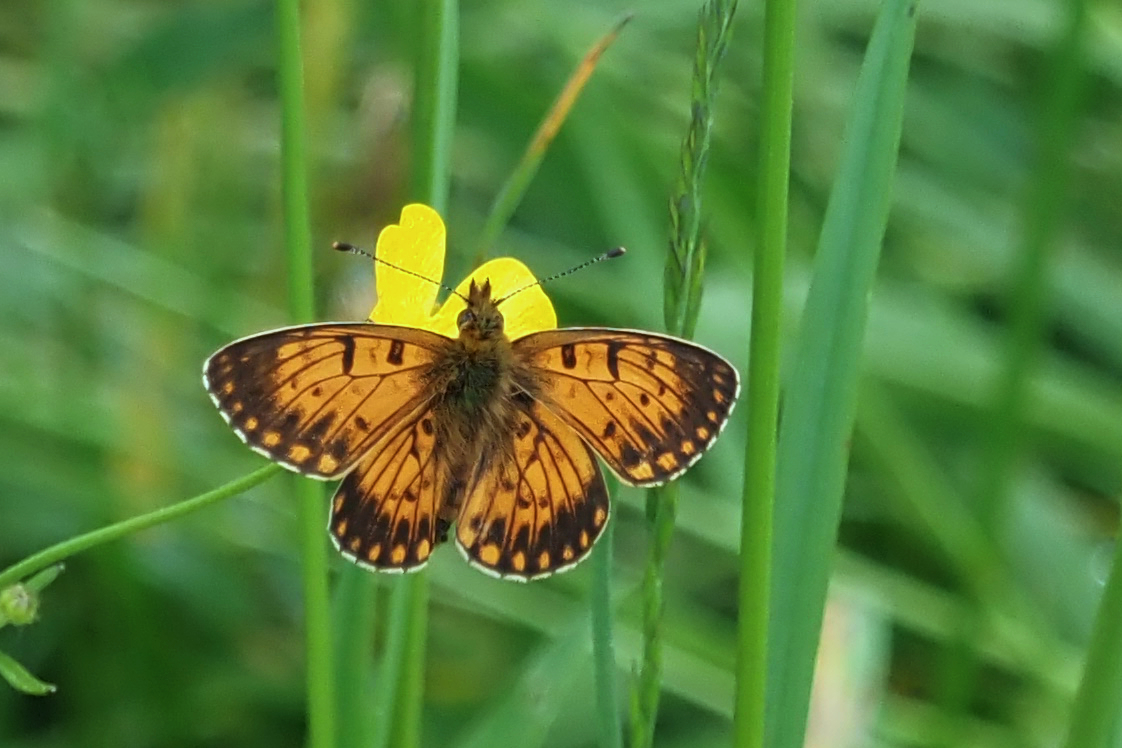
(301, 305)
(510, 194)
(1094, 716)
(758, 501)
(1042, 214)
(67, 548)
(603, 647)
(353, 615)
(685, 266)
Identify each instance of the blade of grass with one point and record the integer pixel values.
(525, 713)
(685, 265)
(301, 307)
(397, 709)
(353, 614)
(70, 546)
(1026, 304)
(1095, 715)
(1042, 213)
(821, 397)
(434, 102)
(758, 500)
(512, 191)
(434, 119)
(603, 645)
(927, 499)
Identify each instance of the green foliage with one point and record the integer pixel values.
(141, 226)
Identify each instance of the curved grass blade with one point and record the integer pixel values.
(524, 715)
(821, 396)
(510, 195)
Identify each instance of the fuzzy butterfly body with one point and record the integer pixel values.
(492, 437)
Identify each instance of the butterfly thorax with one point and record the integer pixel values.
(474, 381)
(473, 378)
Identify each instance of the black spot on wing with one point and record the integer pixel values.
(614, 347)
(319, 429)
(401, 534)
(497, 531)
(348, 353)
(568, 356)
(396, 353)
(629, 456)
(522, 539)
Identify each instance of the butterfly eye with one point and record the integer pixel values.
(466, 318)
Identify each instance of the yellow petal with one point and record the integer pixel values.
(526, 312)
(415, 244)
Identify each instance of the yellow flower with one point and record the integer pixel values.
(417, 244)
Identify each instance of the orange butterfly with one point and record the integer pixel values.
(492, 431)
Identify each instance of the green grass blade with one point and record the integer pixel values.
(353, 615)
(762, 404)
(434, 102)
(1096, 712)
(1042, 214)
(301, 307)
(603, 644)
(67, 548)
(512, 191)
(524, 715)
(400, 698)
(820, 400)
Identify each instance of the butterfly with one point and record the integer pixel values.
(492, 439)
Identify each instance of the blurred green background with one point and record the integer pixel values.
(140, 230)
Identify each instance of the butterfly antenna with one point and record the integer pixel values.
(352, 249)
(609, 255)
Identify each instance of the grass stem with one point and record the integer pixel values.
(301, 307)
(70, 546)
(758, 500)
(683, 275)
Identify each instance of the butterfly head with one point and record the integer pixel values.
(481, 321)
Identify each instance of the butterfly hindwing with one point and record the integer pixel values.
(384, 514)
(537, 507)
(316, 398)
(649, 404)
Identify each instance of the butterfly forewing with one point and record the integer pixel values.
(317, 398)
(538, 508)
(649, 404)
(384, 514)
